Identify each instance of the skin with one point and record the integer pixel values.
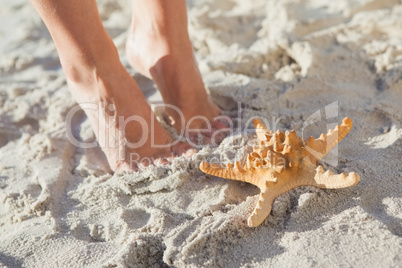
(159, 47)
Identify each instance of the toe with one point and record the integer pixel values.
(221, 124)
(198, 139)
(220, 130)
(125, 167)
(183, 148)
(163, 161)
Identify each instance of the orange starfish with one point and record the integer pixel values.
(282, 162)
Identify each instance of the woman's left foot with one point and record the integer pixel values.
(167, 58)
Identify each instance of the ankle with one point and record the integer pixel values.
(83, 65)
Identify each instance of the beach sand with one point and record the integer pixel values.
(284, 61)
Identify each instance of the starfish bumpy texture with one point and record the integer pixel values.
(281, 162)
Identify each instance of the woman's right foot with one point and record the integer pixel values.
(123, 122)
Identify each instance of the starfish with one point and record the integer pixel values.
(281, 162)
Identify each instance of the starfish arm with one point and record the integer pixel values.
(260, 129)
(262, 209)
(318, 148)
(340, 131)
(251, 175)
(310, 175)
(229, 172)
(330, 180)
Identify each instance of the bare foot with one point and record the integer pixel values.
(124, 124)
(164, 53)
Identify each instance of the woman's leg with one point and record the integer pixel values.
(159, 47)
(95, 75)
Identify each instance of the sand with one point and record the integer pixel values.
(287, 61)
